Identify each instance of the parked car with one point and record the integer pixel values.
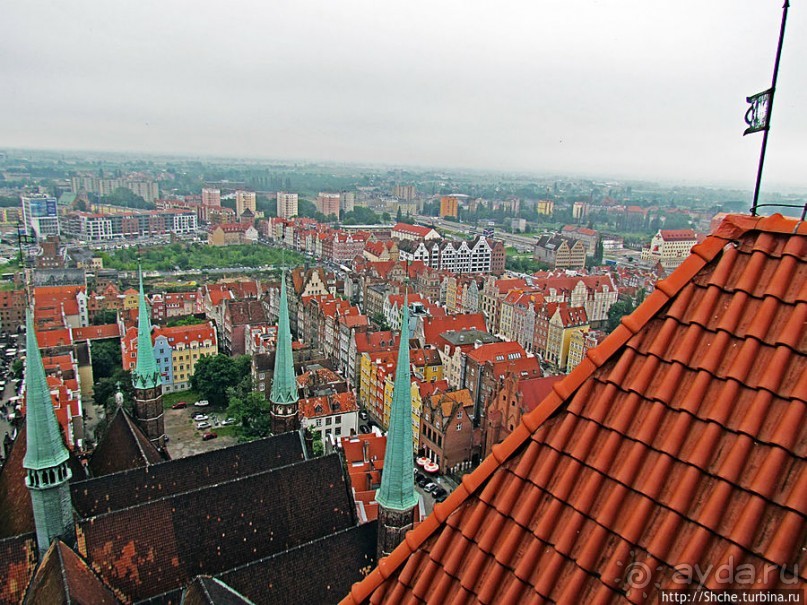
(363, 415)
(198, 417)
(227, 421)
(364, 429)
(202, 403)
(438, 492)
(209, 435)
(179, 405)
(430, 486)
(202, 425)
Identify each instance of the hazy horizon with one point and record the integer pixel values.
(629, 91)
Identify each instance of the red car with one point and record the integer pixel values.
(179, 405)
(208, 436)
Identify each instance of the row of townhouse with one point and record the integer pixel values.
(460, 293)
(94, 226)
(475, 256)
(177, 350)
(595, 293)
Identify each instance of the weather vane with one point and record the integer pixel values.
(758, 116)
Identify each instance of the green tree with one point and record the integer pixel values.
(617, 311)
(316, 443)
(189, 320)
(105, 316)
(215, 373)
(106, 357)
(125, 197)
(16, 369)
(251, 410)
(398, 215)
(599, 252)
(104, 391)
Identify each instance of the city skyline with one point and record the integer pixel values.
(582, 90)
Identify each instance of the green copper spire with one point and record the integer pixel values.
(146, 375)
(284, 382)
(46, 447)
(397, 479)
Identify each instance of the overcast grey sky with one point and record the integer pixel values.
(626, 88)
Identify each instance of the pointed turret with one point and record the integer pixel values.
(148, 407)
(396, 497)
(284, 394)
(46, 455)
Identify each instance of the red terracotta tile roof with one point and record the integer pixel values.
(217, 292)
(572, 316)
(96, 332)
(497, 351)
(54, 338)
(415, 230)
(434, 326)
(535, 390)
(328, 405)
(427, 389)
(680, 440)
(507, 284)
(677, 235)
(372, 341)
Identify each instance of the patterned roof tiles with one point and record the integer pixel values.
(679, 441)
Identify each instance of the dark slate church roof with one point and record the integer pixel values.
(320, 571)
(18, 558)
(123, 447)
(160, 545)
(63, 577)
(138, 485)
(205, 590)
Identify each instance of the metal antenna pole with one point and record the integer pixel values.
(770, 108)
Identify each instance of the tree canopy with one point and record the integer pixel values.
(106, 358)
(215, 373)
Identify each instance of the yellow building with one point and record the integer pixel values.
(417, 409)
(562, 326)
(130, 299)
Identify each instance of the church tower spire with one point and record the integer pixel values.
(396, 497)
(283, 396)
(46, 456)
(148, 404)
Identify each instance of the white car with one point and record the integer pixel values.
(202, 403)
(228, 421)
(199, 417)
(202, 425)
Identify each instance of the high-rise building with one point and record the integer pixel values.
(40, 216)
(211, 197)
(286, 204)
(449, 206)
(347, 201)
(244, 200)
(328, 203)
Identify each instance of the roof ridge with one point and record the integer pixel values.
(666, 289)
